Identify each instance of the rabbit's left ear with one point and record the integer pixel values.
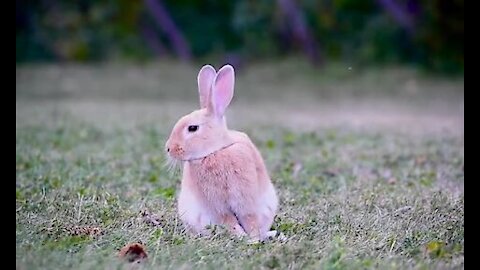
(222, 90)
(205, 78)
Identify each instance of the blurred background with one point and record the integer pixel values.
(348, 58)
(426, 33)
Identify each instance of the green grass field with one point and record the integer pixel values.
(368, 165)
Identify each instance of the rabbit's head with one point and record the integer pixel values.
(204, 131)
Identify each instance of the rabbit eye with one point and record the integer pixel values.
(192, 128)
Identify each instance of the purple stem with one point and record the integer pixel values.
(166, 23)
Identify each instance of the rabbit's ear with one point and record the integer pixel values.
(222, 90)
(205, 78)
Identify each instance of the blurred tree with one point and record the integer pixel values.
(402, 17)
(164, 21)
(293, 18)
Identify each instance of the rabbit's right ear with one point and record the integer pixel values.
(205, 78)
(222, 90)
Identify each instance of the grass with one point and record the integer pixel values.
(366, 193)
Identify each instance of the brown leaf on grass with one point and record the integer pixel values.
(420, 160)
(133, 252)
(332, 172)
(392, 180)
(150, 218)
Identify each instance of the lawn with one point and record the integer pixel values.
(368, 165)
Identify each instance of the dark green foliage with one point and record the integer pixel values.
(354, 31)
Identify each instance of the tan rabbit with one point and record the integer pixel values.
(224, 180)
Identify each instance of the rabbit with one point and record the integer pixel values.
(224, 180)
